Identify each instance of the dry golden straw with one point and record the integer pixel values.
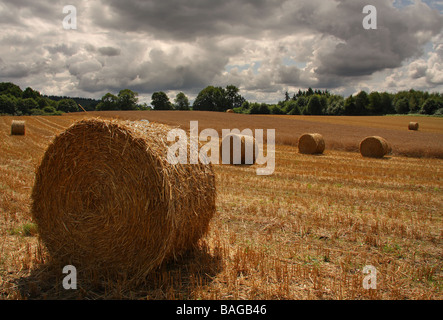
(311, 143)
(18, 128)
(374, 147)
(106, 198)
(245, 142)
(230, 111)
(413, 126)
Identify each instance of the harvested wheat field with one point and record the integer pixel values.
(305, 232)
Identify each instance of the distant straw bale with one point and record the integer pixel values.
(18, 128)
(374, 147)
(311, 143)
(106, 198)
(413, 126)
(230, 111)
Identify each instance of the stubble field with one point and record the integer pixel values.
(305, 232)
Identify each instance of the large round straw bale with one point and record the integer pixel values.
(106, 198)
(311, 143)
(413, 126)
(230, 111)
(374, 147)
(18, 128)
(239, 144)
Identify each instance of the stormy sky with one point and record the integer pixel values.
(265, 47)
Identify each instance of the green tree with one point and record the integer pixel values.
(361, 102)
(8, 104)
(49, 110)
(301, 102)
(181, 102)
(289, 106)
(30, 93)
(243, 109)
(386, 103)
(36, 112)
(26, 105)
(276, 109)
(431, 105)
(414, 101)
(127, 99)
(160, 101)
(107, 102)
(11, 89)
(349, 107)
(211, 99)
(254, 108)
(263, 108)
(43, 102)
(374, 106)
(402, 105)
(286, 96)
(315, 106)
(233, 97)
(336, 105)
(67, 105)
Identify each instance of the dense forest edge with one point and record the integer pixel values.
(17, 102)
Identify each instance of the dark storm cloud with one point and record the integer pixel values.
(187, 20)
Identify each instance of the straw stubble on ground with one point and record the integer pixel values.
(306, 232)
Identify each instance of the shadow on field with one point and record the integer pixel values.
(183, 278)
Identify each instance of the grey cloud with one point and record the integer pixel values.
(17, 12)
(417, 69)
(17, 70)
(82, 67)
(22, 69)
(400, 35)
(186, 45)
(62, 48)
(172, 69)
(109, 51)
(187, 20)
(360, 52)
(289, 75)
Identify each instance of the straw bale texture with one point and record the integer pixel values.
(311, 143)
(106, 198)
(245, 142)
(374, 147)
(18, 128)
(413, 126)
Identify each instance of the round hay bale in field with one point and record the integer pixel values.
(311, 143)
(413, 126)
(230, 111)
(243, 145)
(106, 199)
(18, 128)
(374, 147)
